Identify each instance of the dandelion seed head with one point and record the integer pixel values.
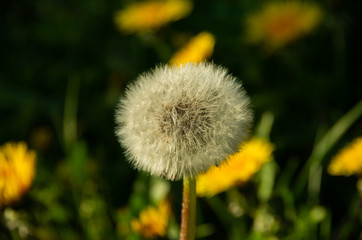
(179, 121)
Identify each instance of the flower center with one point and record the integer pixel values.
(186, 122)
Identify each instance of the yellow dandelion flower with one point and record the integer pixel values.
(152, 221)
(16, 171)
(238, 169)
(279, 23)
(199, 48)
(348, 161)
(151, 15)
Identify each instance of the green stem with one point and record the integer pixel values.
(188, 213)
(265, 125)
(70, 112)
(325, 144)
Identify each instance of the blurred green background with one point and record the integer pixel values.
(64, 66)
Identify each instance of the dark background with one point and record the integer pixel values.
(54, 50)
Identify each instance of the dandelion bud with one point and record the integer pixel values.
(178, 121)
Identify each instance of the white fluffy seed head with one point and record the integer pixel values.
(179, 121)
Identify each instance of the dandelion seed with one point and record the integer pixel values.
(178, 121)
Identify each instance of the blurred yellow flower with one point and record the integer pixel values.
(239, 168)
(17, 165)
(151, 15)
(348, 161)
(199, 48)
(152, 221)
(279, 23)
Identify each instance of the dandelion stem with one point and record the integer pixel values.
(188, 213)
